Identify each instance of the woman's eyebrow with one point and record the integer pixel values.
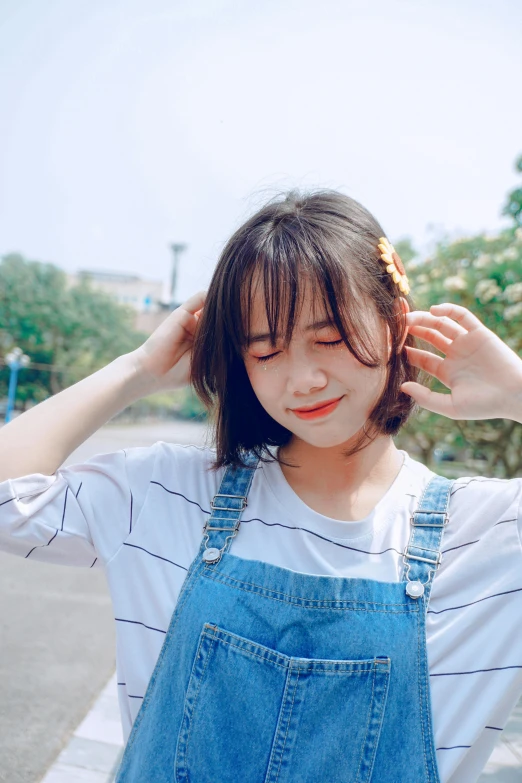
(261, 338)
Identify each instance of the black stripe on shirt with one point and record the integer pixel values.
(38, 546)
(134, 546)
(475, 671)
(64, 505)
(137, 622)
(468, 543)
(22, 497)
(287, 527)
(454, 747)
(318, 535)
(503, 521)
(478, 601)
(129, 695)
(475, 478)
(179, 494)
(451, 548)
(323, 538)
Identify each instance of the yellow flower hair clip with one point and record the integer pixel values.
(394, 264)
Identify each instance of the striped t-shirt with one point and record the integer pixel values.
(139, 514)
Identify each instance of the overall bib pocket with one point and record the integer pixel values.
(254, 715)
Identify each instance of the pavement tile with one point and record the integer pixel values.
(85, 753)
(96, 727)
(103, 722)
(116, 767)
(63, 773)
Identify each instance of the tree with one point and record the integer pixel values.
(484, 274)
(513, 205)
(405, 249)
(73, 330)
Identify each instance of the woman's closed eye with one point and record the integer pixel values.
(269, 356)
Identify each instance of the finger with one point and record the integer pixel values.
(432, 401)
(195, 302)
(444, 324)
(183, 317)
(426, 361)
(458, 313)
(431, 336)
(188, 313)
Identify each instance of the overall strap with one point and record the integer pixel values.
(227, 507)
(422, 557)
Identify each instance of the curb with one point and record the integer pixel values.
(95, 749)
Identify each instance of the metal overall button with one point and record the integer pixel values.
(415, 589)
(211, 555)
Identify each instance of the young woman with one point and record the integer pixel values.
(304, 602)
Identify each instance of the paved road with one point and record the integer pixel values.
(57, 641)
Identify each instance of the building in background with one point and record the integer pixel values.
(152, 300)
(149, 298)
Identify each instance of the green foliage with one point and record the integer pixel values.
(405, 249)
(513, 205)
(161, 405)
(73, 330)
(165, 405)
(190, 407)
(484, 274)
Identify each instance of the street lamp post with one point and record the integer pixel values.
(177, 248)
(14, 360)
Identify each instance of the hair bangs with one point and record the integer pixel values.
(281, 276)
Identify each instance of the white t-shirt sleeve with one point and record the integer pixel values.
(80, 515)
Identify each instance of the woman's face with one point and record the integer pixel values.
(316, 368)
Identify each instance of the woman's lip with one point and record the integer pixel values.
(321, 410)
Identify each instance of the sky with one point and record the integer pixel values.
(127, 126)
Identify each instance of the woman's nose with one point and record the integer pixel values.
(304, 376)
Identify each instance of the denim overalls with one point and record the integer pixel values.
(268, 675)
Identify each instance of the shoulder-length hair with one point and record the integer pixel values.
(321, 237)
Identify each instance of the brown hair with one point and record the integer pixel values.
(322, 237)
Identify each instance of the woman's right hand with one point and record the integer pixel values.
(163, 361)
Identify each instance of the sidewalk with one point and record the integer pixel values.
(94, 751)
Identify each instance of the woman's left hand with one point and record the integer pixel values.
(483, 374)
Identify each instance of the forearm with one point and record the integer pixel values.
(42, 438)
